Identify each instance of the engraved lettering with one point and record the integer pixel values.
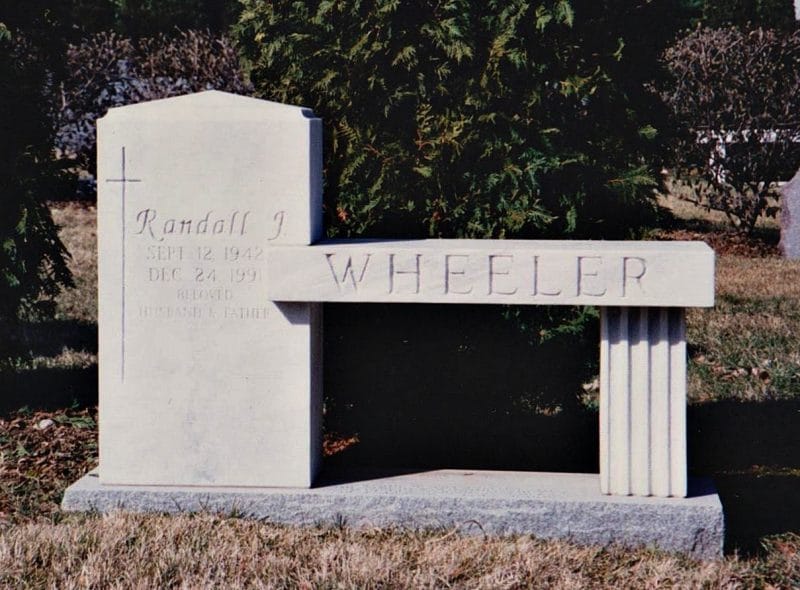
(246, 313)
(242, 230)
(146, 217)
(449, 272)
(393, 271)
(582, 274)
(537, 289)
(165, 253)
(234, 224)
(171, 312)
(204, 253)
(214, 294)
(202, 225)
(628, 272)
(202, 275)
(244, 275)
(278, 218)
(348, 271)
(494, 272)
(163, 274)
(233, 221)
(234, 253)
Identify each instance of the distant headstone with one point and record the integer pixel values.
(790, 218)
(204, 381)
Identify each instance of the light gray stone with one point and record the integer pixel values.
(522, 272)
(204, 381)
(642, 361)
(790, 218)
(643, 401)
(44, 424)
(547, 505)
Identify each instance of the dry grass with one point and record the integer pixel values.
(78, 232)
(43, 548)
(748, 346)
(67, 342)
(681, 200)
(40, 455)
(761, 279)
(205, 551)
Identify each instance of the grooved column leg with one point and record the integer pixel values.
(643, 401)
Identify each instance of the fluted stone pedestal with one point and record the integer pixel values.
(643, 401)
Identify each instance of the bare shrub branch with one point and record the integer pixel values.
(737, 94)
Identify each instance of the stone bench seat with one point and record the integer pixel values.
(641, 288)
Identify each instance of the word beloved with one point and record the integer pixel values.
(231, 224)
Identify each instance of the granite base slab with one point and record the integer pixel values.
(547, 505)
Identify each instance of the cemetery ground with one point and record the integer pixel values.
(744, 391)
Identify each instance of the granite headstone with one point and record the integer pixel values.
(204, 381)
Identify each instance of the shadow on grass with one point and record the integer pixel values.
(752, 450)
(456, 386)
(47, 338)
(46, 387)
(418, 399)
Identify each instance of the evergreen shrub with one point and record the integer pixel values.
(32, 258)
(453, 118)
(771, 14)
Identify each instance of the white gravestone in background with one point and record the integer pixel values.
(204, 381)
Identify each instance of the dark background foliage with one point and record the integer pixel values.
(737, 95)
(53, 85)
(495, 119)
(147, 18)
(772, 14)
(464, 119)
(453, 118)
(32, 259)
(54, 21)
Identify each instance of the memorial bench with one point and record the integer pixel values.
(212, 271)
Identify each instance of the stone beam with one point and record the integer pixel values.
(624, 274)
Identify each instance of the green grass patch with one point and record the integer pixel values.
(748, 346)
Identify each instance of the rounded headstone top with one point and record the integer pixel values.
(225, 104)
